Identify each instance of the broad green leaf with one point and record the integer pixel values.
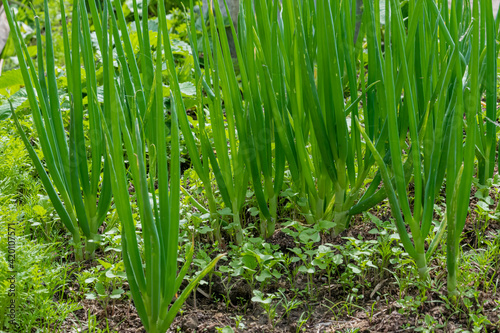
(11, 78)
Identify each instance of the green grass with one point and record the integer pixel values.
(37, 257)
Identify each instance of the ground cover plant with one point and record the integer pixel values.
(340, 178)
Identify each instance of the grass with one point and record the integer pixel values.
(41, 262)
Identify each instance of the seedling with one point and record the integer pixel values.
(288, 305)
(266, 302)
(105, 284)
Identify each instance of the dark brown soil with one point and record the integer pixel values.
(118, 317)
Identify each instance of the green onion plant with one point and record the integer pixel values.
(487, 141)
(74, 171)
(289, 109)
(460, 168)
(441, 112)
(244, 139)
(224, 155)
(153, 274)
(318, 61)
